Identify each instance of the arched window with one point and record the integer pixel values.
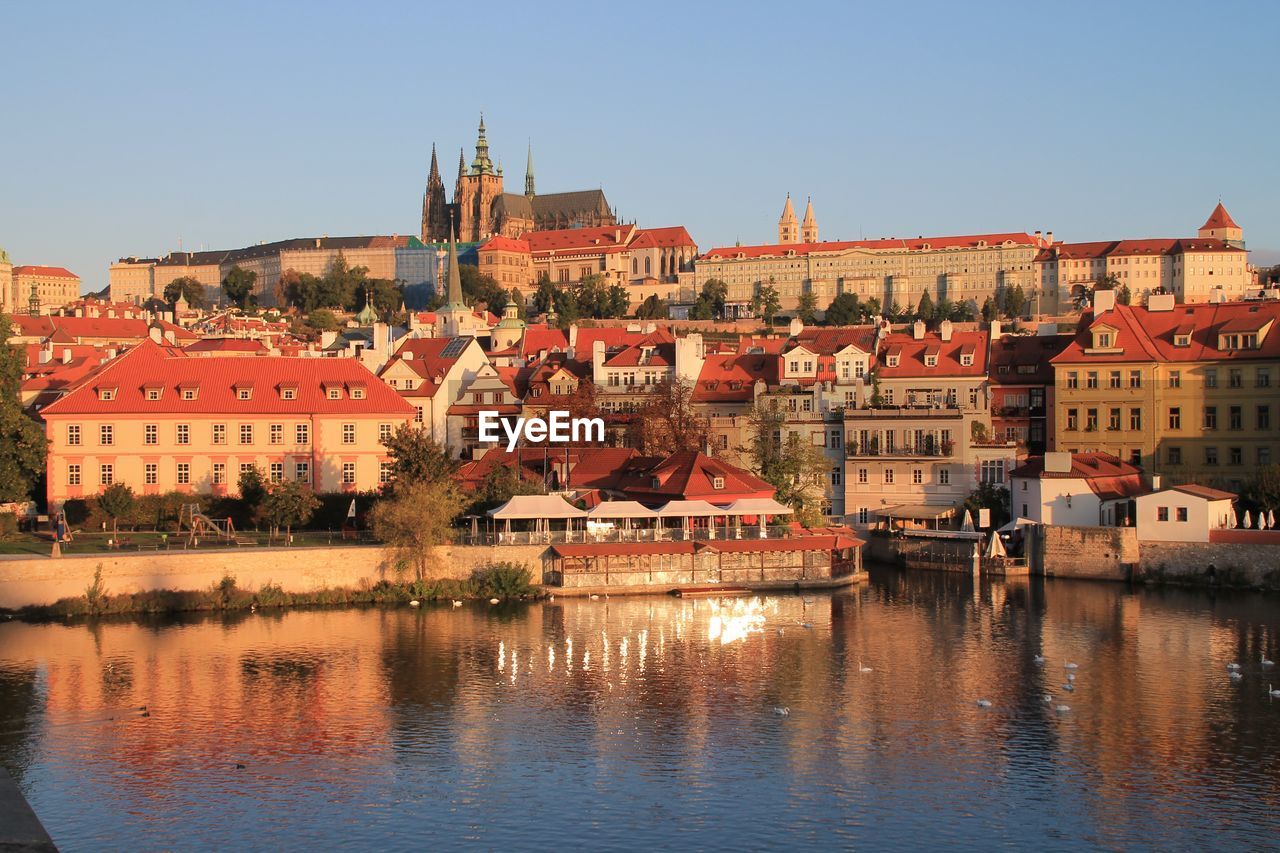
(648, 265)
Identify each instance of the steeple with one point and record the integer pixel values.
(788, 228)
(1220, 226)
(434, 174)
(455, 302)
(482, 165)
(433, 203)
(528, 173)
(809, 229)
(462, 166)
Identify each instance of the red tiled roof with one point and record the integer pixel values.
(1205, 492)
(673, 237)
(1219, 219)
(916, 245)
(150, 364)
(690, 475)
(829, 341)
(1107, 476)
(1144, 335)
(607, 238)
(911, 353)
(661, 352)
(44, 272)
(428, 359)
(1128, 248)
(616, 337)
(731, 378)
(226, 345)
(498, 243)
(1012, 352)
(539, 338)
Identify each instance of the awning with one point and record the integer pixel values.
(689, 509)
(1015, 524)
(757, 506)
(621, 509)
(537, 506)
(924, 511)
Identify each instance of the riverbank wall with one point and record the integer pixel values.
(37, 581)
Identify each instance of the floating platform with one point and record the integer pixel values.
(709, 591)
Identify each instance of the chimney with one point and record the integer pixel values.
(156, 334)
(650, 328)
(996, 329)
(46, 354)
(945, 330)
(797, 326)
(1103, 301)
(66, 356)
(1048, 238)
(917, 330)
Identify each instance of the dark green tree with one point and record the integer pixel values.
(22, 452)
(652, 308)
(925, 309)
(787, 461)
(993, 497)
(186, 287)
(238, 285)
(766, 302)
(288, 503)
(116, 502)
(418, 458)
(988, 310)
(844, 310)
(807, 306)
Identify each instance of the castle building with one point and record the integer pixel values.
(481, 208)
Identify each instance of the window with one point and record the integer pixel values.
(1235, 456)
(357, 393)
(1135, 419)
(944, 476)
(1113, 419)
(862, 475)
(1073, 380)
(246, 433)
(292, 393)
(277, 434)
(246, 467)
(244, 393)
(1073, 419)
(384, 433)
(106, 474)
(348, 473)
(348, 433)
(1235, 377)
(219, 473)
(183, 434)
(184, 473)
(106, 434)
(1091, 379)
(73, 434)
(1181, 513)
(1091, 420)
(1175, 417)
(1162, 513)
(1175, 378)
(106, 393)
(864, 515)
(835, 476)
(1235, 417)
(302, 432)
(1264, 455)
(219, 433)
(1135, 378)
(1264, 417)
(417, 417)
(1211, 456)
(153, 394)
(1135, 457)
(1175, 455)
(151, 434)
(150, 474)
(334, 393)
(717, 482)
(1113, 381)
(1210, 417)
(277, 472)
(188, 393)
(992, 471)
(384, 472)
(1211, 378)
(302, 471)
(1262, 378)
(917, 476)
(73, 475)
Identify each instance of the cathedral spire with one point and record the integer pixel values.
(434, 174)
(809, 228)
(788, 228)
(528, 173)
(482, 165)
(455, 302)
(462, 164)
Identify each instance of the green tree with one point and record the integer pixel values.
(993, 497)
(896, 314)
(766, 302)
(288, 503)
(416, 457)
(807, 306)
(710, 302)
(416, 518)
(925, 309)
(544, 295)
(1014, 301)
(653, 308)
(787, 461)
(844, 310)
(253, 490)
(871, 307)
(238, 285)
(116, 502)
(1264, 489)
(188, 288)
(322, 320)
(480, 287)
(988, 310)
(501, 484)
(22, 452)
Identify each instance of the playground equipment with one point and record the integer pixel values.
(199, 524)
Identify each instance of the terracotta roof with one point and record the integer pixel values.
(829, 341)
(731, 378)
(536, 339)
(1205, 492)
(1025, 359)
(656, 349)
(911, 355)
(250, 345)
(616, 337)
(919, 244)
(498, 243)
(1106, 475)
(432, 357)
(150, 364)
(124, 329)
(673, 237)
(606, 238)
(1219, 219)
(45, 272)
(1144, 335)
(1128, 248)
(690, 475)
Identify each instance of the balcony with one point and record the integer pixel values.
(904, 413)
(929, 448)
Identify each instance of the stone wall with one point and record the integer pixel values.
(1249, 563)
(1097, 553)
(41, 580)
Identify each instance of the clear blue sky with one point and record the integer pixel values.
(128, 127)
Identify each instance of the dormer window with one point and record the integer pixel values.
(290, 392)
(188, 393)
(1182, 339)
(930, 361)
(717, 482)
(106, 393)
(1103, 340)
(152, 393)
(244, 393)
(892, 360)
(655, 483)
(966, 360)
(333, 393)
(357, 393)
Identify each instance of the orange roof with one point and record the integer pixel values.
(1219, 219)
(1145, 335)
(1108, 476)
(690, 475)
(673, 237)
(1129, 248)
(149, 365)
(911, 355)
(608, 238)
(731, 378)
(125, 329)
(539, 338)
(1205, 492)
(49, 272)
(226, 345)
(917, 245)
(498, 243)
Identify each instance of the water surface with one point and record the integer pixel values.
(652, 721)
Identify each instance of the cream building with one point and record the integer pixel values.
(6, 283)
(37, 289)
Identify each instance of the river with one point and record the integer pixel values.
(812, 721)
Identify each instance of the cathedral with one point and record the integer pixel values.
(480, 208)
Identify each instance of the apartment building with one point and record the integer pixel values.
(161, 421)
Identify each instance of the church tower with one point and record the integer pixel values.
(1220, 226)
(788, 228)
(809, 228)
(435, 212)
(528, 175)
(477, 189)
(455, 313)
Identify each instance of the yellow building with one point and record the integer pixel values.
(160, 421)
(1190, 391)
(39, 290)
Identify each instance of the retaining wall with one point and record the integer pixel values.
(1252, 563)
(1096, 553)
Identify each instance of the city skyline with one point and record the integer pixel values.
(1091, 133)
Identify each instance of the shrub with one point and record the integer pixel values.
(8, 525)
(502, 580)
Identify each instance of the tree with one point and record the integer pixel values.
(1264, 489)
(668, 422)
(22, 450)
(710, 302)
(1013, 301)
(253, 490)
(791, 464)
(416, 457)
(807, 306)
(871, 307)
(896, 314)
(993, 497)
(116, 501)
(322, 320)
(480, 287)
(416, 518)
(766, 303)
(925, 309)
(844, 310)
(988, 310)
(544, 295)
(238, 285)
(653, 308)
(188, 288)
(1123, 295)
(501, 484)
(288, 503)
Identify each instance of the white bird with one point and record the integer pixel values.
(595, 597)
(1236, 676)
(1069, 687)
(1266, 662)
(1039, 660)
(781, 711)
(493, 601)
(457, 603)
(1231, 667)
(414, 603)
(984, 703)
(862, 668)
(1071, 666)
(1048, 698)
(1273, 692)
(1071, 676)
(1062, 709)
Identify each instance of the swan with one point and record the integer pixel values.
(862, 668)
(1071, 666)
(595, 597)
(456, 603)
(1275, 693)
(1266, 662)
(1236, 676)
(1062, 709)
(1039, 660)
(984, 703)
(1232, 667)
(493, 601)
(414, 603)
(781, 711)
(1071, 676)
(1069, 687)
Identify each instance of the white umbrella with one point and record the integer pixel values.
(967, 524)
(1271, 518)
(1248, 520)
(1261, 523)
(995, 548)
(351, 510)
(1235, 519)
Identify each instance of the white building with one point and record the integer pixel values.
(1076, 490)
(1184, 514)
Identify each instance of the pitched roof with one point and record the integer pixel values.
(217, 377)
(570, 203)
(110, 328)
(498, 243)
(1219, 219)
(1145, 335)
(1025, 359)
(1017, 238)
(663, 238)
(822, 340)
(245, 345)
(45, 272)
(538, 338)
(605, 238)
(950, 355)
(1129, 248)
(731, 377)
(429, 357)
(1205, 492)
(1107, 476)
(691, 475)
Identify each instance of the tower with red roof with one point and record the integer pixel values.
(1220, 226)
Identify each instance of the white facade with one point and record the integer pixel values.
(1174, 515)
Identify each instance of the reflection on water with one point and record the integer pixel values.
(647, 721)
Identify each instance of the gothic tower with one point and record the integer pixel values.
(435, 210)
(528, 175)
(809, 229)
(476, 192)
(788, 228)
